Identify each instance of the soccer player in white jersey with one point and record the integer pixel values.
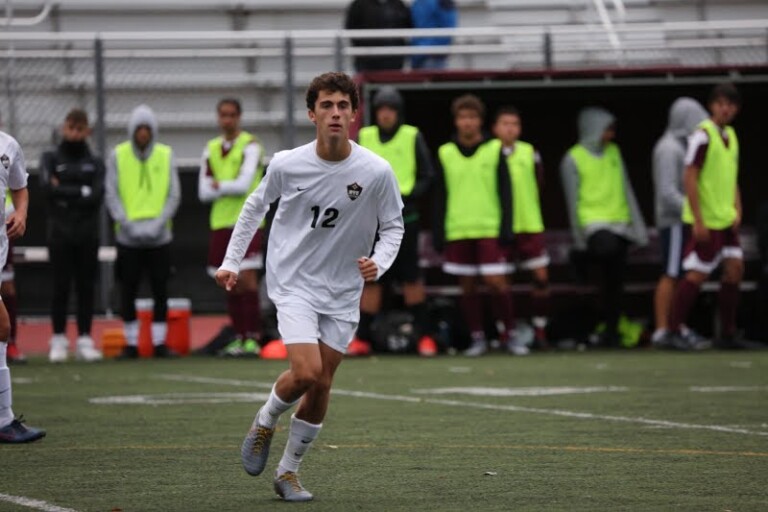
(13, 176)
(333, 194)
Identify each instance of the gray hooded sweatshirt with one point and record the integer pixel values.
(592, 124)
(147, 232)
(685, 114)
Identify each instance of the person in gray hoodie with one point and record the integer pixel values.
(685, 114)
(604, 216)
(142, 195)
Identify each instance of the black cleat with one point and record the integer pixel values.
(16, 433)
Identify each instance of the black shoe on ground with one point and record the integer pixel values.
(736, 342)
(129, 352)
(163, 352)
(16, 432)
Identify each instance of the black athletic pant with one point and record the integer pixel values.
(79, 261)
(608, 253)
(132, 264)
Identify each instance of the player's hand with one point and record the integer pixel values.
(737, 221)
(15, 225)
(226, 279)
(368, 268)
(700, 232)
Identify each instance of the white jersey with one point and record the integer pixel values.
(326, 219)
(13, 176)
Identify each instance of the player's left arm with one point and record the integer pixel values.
(16, 223)
(504, 189)
(737, 221)
(390, 217)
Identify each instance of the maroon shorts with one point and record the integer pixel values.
(706, 256)
(217, 249)
(482, 256)
(528, 249)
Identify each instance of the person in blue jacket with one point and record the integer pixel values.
(432, 14)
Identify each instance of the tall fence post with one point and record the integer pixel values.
(339, 55)
(106, 268)
(289, 131)
(547, 48)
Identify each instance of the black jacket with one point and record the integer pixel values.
(72, 181)
(365, 14)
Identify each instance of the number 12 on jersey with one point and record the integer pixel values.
(330, 215)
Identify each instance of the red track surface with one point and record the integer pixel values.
(35, 332)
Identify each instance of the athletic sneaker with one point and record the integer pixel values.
(163, 352)
(255, 449)
(737, 342)
(85, 350)
(14, 356)
(515, 347)
(16, 432)
(128, 353)
(241, 348)
(427, 346)
(288, 487)
(682, 341)
(59, 346)
(477, 348)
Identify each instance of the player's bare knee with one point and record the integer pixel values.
(733, 271)
(306, 376)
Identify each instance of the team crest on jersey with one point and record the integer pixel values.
(5, 160)
(354, 190)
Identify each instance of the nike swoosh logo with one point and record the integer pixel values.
(301, 189)
(305, 442)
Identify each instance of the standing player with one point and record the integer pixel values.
(473, 221)
(712, 214)
(230, 170)
(527, 177)
(333, 193)
(403, 146)
(685, 114)
(13, 176)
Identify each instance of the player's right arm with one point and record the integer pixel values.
(207, 188)
(253, 212)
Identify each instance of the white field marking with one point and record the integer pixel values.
(22, 380)
(533, 391)
(179, 398)
(494, 407)
(726, 389)
(35, 504)
(459, 369)
(213, 380)
(741, 364)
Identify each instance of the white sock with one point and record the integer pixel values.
(272, 410)
(658, 334)
(6, 413)
(300, 438)
(131, 330)
(159, 331)
(539, 322)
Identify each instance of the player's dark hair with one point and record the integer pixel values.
(77, 117)
(230, 101)
(332, 82)
(507, 110)
(468, 102)
(726, 91)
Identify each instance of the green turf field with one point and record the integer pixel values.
(619, 431)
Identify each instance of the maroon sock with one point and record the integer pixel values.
(540, 305)
(686, 292)
(11, 303)
(504, 310)
(234, 301)
(252, 314)
(472, 311)
(728, 302)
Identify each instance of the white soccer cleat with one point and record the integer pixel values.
(86, 351)
(517, 348)
(58, 351)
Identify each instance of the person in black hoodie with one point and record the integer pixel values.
(72, 181)
(403, 146)
(379, 14)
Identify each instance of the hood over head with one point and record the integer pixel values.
(685, 114)
(143, 115)
(592, 123)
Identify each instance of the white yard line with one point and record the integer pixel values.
(34, 504)
(475, 405)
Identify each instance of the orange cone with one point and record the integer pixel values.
(275, 349)
(358, 348)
